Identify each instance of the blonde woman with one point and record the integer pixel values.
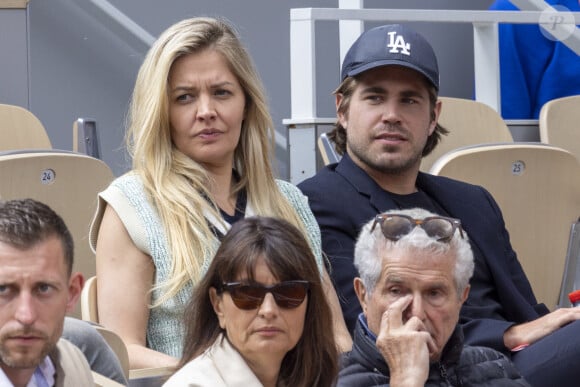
(200, 136)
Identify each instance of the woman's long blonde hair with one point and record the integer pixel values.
(176, 184)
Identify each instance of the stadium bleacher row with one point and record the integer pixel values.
(479, 149)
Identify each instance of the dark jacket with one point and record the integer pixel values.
(343, 198)
(459, 365)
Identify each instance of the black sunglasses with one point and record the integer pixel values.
(396, 226)
(287, 294)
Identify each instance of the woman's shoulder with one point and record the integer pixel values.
(295, 197)
(127, 196)
(198, 372)
(220, 365)
(288, 189)
(128, 179)
(125, 191)
(127, 187)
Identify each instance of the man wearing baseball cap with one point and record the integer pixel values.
(387, 111)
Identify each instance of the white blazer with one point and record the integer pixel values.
(220, 365)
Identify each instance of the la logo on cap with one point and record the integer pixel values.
(397, 44)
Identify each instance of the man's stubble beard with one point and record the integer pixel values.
(16, 359)
(388, 167)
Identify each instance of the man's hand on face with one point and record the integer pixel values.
(406, 346)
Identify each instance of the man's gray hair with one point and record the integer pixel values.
(371, 248)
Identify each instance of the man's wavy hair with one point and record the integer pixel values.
(338, 134)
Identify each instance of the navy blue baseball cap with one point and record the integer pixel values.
(392, 44)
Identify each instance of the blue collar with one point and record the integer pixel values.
(363, 323)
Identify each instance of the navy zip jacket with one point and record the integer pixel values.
(459, 365)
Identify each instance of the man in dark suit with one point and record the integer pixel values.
(387, 112)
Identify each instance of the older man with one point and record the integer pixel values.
(414, 270)
(37, 289)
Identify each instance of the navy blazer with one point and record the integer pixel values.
(343, 198)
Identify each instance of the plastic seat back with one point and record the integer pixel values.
(469, 123)
(559, 123)
(20, 129)
(67, 182)
(537, 187)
